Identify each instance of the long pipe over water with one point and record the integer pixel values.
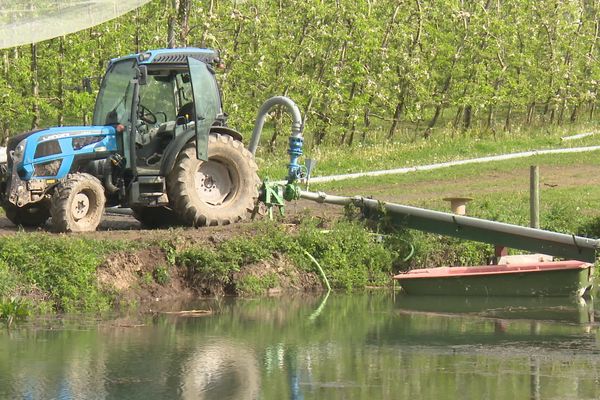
(514, 236)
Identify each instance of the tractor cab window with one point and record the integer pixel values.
(184, 88)
(113, 104)
(158, 97)
(185, 98)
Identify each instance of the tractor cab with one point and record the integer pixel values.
(156, 97)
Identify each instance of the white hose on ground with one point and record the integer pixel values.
(501, 157)
(578, 136)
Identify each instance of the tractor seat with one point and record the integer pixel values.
(166, 129)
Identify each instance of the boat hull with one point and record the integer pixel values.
(552, 279)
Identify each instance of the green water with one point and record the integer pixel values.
(362, 346)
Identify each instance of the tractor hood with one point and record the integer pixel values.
(50, 153)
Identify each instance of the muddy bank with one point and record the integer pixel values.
(108, 270)
(146, 277)
(81, 273)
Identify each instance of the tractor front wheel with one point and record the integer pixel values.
(77, 204)
(219, 191)
(30, 216)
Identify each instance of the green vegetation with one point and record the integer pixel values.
(57, 273)
(161, 275)
(14, 309)
(252, 285)
(333, 159)
(349, 255)
(361, 72)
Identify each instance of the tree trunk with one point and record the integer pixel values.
(507, 121)
(172, 23)
(326, 121)
(137, 30)
(490, 116)
(561, 112)
(347, 125)
(457, 117)
(467, 117)
(433, 121)
(6, 123)
(184, 21)
(396, 119)
(61, 81)
(352, 132)
(35, 88)
(366, 124)
(307, 110)
(574, 113)
(530, 111)
(276, 129)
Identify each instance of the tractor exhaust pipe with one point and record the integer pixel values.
(295, 141)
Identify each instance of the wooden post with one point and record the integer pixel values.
(534, 196)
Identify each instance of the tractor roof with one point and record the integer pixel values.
(172, 56)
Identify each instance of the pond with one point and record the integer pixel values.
(373, 345)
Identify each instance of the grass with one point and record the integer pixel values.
(408, 151)
(57, 272)
(564, 207)
(458, 171)
(252, 285)
(348, 254)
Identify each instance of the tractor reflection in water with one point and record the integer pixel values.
(221, 369)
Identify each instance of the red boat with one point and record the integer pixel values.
(554, 278)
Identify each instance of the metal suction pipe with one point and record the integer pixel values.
(292, 109)
(460, 226)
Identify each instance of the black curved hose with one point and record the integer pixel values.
(108, 182)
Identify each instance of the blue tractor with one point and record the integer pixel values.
(159, 144)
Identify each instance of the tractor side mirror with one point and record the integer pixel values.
(142, 75)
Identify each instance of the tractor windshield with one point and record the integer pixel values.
(113, 104)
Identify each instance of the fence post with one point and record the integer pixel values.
(534, 196)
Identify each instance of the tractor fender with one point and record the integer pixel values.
(225, 130)
(175, 147)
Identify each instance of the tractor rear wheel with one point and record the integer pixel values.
(155, 217)
(31, 216)
(77, 204)
(220, 191)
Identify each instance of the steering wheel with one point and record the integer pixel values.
(146, 115)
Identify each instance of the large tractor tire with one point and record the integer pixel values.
(30, 216)
(220, 191)
(155, 217)
(77, 204)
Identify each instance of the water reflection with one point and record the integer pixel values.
(221, 369)
(564, 309)
(364, 346)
